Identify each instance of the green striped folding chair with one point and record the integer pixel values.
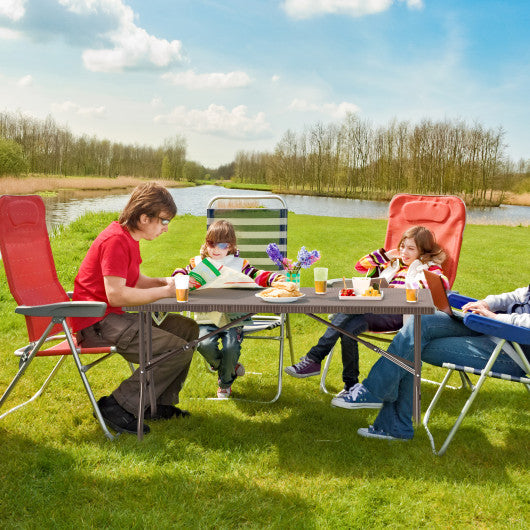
(256, 226)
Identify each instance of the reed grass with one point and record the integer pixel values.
(297, 463)
(45, 183)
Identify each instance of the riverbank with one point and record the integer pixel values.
(85, 186)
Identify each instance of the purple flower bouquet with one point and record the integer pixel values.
(304, 259)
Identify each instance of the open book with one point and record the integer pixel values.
(205, 275)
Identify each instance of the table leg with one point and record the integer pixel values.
(144, 354)
(416, 404)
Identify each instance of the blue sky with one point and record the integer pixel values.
(233, 75)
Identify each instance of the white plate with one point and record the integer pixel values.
(280, 299)
(361, 297)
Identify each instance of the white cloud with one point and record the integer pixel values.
(156, 102)
(12, 9)
(275, 78)
(336, 111)
(132, 46)
(9, 34)
(217, 119)
(192, 81)
(70, 107)
(106, 29)
(353, 8)
(25, 81)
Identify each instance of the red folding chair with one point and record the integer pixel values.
(445, 216)
(33, 282)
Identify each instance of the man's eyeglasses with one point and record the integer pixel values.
(221, 246)
(164, 222)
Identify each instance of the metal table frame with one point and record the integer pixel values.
(245, 301)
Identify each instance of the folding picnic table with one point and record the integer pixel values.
(311, 304)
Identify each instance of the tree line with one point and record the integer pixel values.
(349, 159)
(356, 159)
(41, 146)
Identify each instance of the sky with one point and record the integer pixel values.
(236, 75)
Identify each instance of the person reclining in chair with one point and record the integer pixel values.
(443, 339)
(110, 273)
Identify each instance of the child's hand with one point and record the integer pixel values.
(281, 278)
(393, 254)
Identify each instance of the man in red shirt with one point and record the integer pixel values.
(111, 273)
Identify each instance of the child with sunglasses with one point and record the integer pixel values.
(220, 248)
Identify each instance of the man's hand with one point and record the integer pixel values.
(147, 290)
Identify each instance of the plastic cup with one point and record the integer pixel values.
(182, 287)
(321, 280)
(411, 292)
(360, 285)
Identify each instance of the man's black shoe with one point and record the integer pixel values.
(117, 417)
(165, 412)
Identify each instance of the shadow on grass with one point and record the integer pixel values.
(234, 463)
(50, 487)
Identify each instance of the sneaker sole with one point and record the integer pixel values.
(365, 434)
(300, 376)
(344, 405)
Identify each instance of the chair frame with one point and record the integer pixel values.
(391, 240)
(262, 323)
(56, 313)
(514, 335)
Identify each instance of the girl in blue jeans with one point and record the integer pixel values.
(417, 251)
(443, 339)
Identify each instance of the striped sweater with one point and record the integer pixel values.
(377, 261)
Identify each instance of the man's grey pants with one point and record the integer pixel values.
(168, 376)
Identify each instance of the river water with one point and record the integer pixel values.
(194, 200)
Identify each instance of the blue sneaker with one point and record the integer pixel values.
(372, 432)
(359, 397)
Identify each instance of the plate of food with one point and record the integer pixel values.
(369, 294)
(281, 293)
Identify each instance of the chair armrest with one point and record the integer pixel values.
(490, 326)
(64, 309)
(334, 281)
(458, 300)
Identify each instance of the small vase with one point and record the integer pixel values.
(294, 277)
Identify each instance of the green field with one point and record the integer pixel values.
(297, 463)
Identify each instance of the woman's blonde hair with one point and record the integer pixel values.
(426, 243)
(221, 231)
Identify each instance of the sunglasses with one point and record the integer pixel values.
(163, 221)
(221, 246)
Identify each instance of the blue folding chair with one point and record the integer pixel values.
(514, 335)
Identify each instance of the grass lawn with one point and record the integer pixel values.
(297, 463)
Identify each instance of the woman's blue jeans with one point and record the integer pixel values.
(223, 359)
(354, 324)
(443, 339)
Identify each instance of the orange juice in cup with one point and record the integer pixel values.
(182, 287)
(411, 291)
(321, 280)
